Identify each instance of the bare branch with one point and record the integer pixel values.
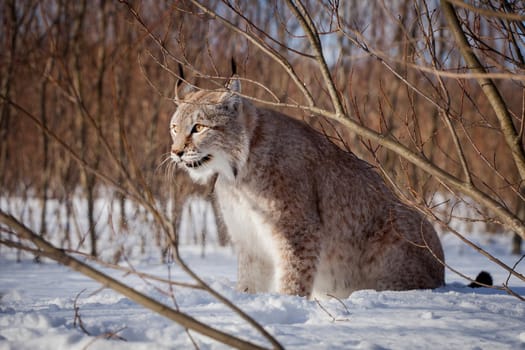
(488, 13)
(310, 29)
(60, 256)
(264, 48)
(489, 88)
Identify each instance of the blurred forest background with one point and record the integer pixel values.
(87, 87)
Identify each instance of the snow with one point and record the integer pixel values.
(38, 302)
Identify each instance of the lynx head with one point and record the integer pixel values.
(209, 134)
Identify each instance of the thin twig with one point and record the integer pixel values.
(489, 89)
(328, 312)
(181, 318)
(310, 29)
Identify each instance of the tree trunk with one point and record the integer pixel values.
(11, 34)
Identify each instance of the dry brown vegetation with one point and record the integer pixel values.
(430, 92)
(101, 75)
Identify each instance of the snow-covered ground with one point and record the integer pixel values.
(38, 301)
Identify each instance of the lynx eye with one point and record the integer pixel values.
(197, 128)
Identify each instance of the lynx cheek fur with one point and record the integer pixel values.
(305, 217)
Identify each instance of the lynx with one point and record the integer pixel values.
(305, 217)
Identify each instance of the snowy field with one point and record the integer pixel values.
(38, 302)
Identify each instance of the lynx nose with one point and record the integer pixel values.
(176, 151)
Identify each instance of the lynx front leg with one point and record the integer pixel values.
(297, 267)
(254, 273)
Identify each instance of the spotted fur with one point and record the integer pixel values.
(305, 217)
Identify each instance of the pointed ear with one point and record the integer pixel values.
(178, 83)
(231, 99)
(181, 90)
(234, 84)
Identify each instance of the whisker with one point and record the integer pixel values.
(163, 162)
(170, 171)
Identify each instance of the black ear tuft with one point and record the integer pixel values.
(231, 98)
(180, 78)
(178, 83)
(233, 66)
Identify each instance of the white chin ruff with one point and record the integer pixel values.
(218, 164)
(200, 174)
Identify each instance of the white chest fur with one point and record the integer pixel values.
(251, 232)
